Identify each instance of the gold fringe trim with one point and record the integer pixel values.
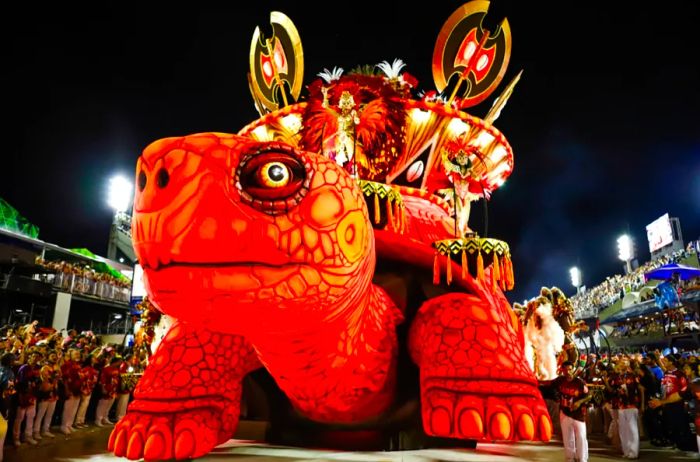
(486, 252)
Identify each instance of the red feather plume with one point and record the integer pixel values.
(380, 129)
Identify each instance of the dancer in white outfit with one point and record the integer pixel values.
(573, 394)
(7, 389)
(47, 395)
(89, 374)
(71, 382)
(27, 378)
(623, 387)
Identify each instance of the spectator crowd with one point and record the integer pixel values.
(670, 322)
(53, 381)
(588, 303)
(81, 279)
(634, 396)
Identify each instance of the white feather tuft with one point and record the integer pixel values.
(391, 70)
(330, 76)
(546, 342)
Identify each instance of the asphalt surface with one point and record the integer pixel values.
(90, 445)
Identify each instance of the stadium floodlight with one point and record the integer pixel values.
(575, 277)
(120, 190)
(624, 247)
(625, 250)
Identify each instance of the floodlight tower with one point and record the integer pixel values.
(576, 278)
(625, 249)
(119, 199)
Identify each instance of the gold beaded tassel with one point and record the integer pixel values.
(390, 215)
(508, 272)
(404, 219)
(504, 273)
(496, 266)
(448, 260)
(495, 271)
(398, 217)
(480, 266)
(465, 263)
(511, 278)
(436, 268)
(377, 212)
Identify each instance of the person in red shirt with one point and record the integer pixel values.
(109, 387)
(624, 386)
(27, 382)
(694, 394)
(88, 375)
(675, 420)
(127, 382)
(611, 405)
(7, 390)
(71, 386)
(42, 423)
(47, 394)
(573, 395)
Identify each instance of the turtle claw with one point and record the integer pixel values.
(526, 428)
(475, 383)
(163, 437)
(465, 415)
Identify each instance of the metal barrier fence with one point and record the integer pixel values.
(85, 285)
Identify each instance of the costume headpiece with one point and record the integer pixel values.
(393, 142)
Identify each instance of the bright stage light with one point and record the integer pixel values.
(120, 190)
(624, 247)
(575, 276)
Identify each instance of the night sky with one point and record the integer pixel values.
(604, 124)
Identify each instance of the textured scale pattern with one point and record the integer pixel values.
(475, 382)
(188, 399)
(280, 277)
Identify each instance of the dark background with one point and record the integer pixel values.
(604, 122)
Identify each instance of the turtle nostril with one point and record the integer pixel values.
(162, 178)
(142, 180)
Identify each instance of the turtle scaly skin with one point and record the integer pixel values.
(265, 255)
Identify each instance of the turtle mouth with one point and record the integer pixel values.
(244, 279)
(155, 257)
(215, 265)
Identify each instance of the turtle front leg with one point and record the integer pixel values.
(475, 381)
(188, 400)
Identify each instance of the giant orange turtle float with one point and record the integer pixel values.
(320, 245)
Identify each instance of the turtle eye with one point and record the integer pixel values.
(272, 176)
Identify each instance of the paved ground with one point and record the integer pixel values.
(89, 445)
